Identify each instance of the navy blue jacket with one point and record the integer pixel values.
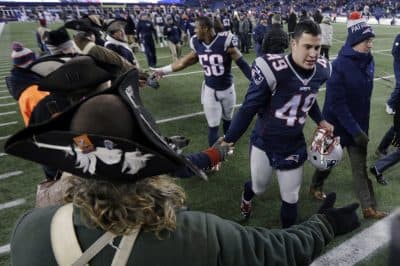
(259, 31)
(19, 80)
(396, 59)
(348, 94)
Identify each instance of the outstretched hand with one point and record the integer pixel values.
(344, 219)
(224, 149)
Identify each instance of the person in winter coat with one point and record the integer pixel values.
(118, 42)
(326, 36)
(276, 40)
(292, 21)
(347, 107)
(258, 35)
(395, 96)
(174, 36)
(22, 83)
(135, 211)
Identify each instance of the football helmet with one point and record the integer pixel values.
(325, 151)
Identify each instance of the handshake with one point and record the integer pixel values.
(219, 151)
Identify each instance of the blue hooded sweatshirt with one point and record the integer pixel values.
(348, 95)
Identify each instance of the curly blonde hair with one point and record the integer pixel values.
(120, 208)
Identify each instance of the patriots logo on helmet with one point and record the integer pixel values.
(325, 151)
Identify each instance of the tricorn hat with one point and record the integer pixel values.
(115, 25)
(91, 151)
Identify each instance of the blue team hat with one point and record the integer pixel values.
(358, 31)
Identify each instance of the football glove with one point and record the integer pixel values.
(342, 220)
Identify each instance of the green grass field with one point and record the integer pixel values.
(180, 95)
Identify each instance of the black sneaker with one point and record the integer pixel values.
(245, 209)
(379, 177)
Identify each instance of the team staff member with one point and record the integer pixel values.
(282, 93)
(215, 52)
(145, 31)
(347, 107)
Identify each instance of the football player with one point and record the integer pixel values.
(215, 52)
(282, 93)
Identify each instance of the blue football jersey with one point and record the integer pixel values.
(281, 120)
(215, 60)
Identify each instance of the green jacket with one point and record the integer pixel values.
(200, 239)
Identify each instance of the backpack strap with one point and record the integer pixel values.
(63, 238)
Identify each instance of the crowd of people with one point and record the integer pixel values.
(120, 205)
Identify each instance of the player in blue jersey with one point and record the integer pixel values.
(282, 93)
(215, 52)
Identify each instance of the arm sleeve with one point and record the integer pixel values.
(298, 245)
(244, 67)
(257, 95)
(315, 113)
(336, 88)
(199, 159)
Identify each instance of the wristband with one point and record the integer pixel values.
(167, 69)
(213, 155)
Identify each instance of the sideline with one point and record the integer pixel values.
(360, 246)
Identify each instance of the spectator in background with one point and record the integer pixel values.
(292, 21)
(326, 36)
(244, 30)
(303, 16)
(347, 107)
(40, 36)
(22, 83)
(59, 42)
(117, 40)
(146, 31)
(174, 37)
(258, 35)
(276, 40)
(317, 16)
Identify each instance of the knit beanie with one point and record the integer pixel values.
(21, 55)
(58, 40)
(358, 31)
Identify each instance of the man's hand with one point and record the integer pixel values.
(224, 149)
(327, 126)
(159, 72)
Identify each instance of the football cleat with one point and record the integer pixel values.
(245, 208)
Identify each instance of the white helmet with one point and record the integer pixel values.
(325, 151)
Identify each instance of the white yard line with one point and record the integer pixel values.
(5, 97)
(165, 120)
(1, 28)
(3, 91)
(2, 154)
(7, 104)
(10, 174)
(8, 123)
(5, 137)
(8, 113)
(12, 204)
(359, 246)
(4, 250)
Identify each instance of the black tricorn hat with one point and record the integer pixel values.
(83, 24)
(100, 156)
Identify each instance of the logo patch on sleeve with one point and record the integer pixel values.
(258, 77)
